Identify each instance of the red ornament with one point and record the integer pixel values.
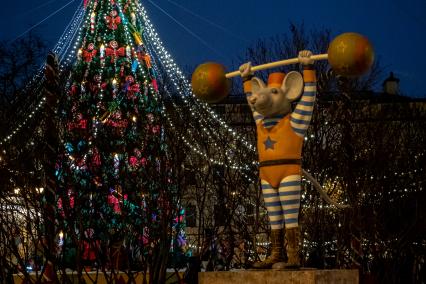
(89, 53)
(113, 21)
(155, 85)
(115, 203)
(133, 161)
(126, 6)
(80, 124)
(96, 157)
(114, 52)
(156, 129)
(97, 84)
(74, 89)
(131, 87)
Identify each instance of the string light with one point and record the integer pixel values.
(167, 61)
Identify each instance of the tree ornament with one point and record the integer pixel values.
(146, 58)
(96, 85)
(102, 51)
(89, 53)
(134, 66)
(154, 84)
(69, 148)
(114, 84)
(114, 51)
(96, 157)
(73, 89)
(128, 52)
(80, 124)
(131, 87)
(92, 22)
(113, 20)
(138, 38)
(133, 18)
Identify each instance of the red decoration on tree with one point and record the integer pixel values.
(137, 159)
(113, 51)
(116, 120)
(155, 84)
(96, 157)
(89, 53)
(126, 6)
(113, 20)
(131, 87)
(156, 129)
(74, 89)
(80, 124)
(96, 85)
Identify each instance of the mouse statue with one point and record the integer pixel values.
(280, 135)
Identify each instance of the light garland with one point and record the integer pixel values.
(169, 63)
(9, 137)
(176, 75)
(37, 81)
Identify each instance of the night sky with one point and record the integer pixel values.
(396, 28)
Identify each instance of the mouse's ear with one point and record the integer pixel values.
(256, 85)
(292, 85)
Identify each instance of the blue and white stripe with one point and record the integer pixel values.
(289, 193)
(273, 205)
(302, 115)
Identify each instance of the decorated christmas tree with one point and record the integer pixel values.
(115, 192)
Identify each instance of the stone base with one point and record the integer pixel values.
(302, 276)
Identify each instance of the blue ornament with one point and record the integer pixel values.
(81, 145)
(69, 148)
(134, 66)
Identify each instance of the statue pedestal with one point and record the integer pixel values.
(302, 276)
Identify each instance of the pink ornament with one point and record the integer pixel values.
(156, 129)
(133, 161)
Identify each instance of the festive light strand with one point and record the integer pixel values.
(166, 59)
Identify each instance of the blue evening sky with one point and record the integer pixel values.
(396, 28)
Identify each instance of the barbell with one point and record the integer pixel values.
(349, 54)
